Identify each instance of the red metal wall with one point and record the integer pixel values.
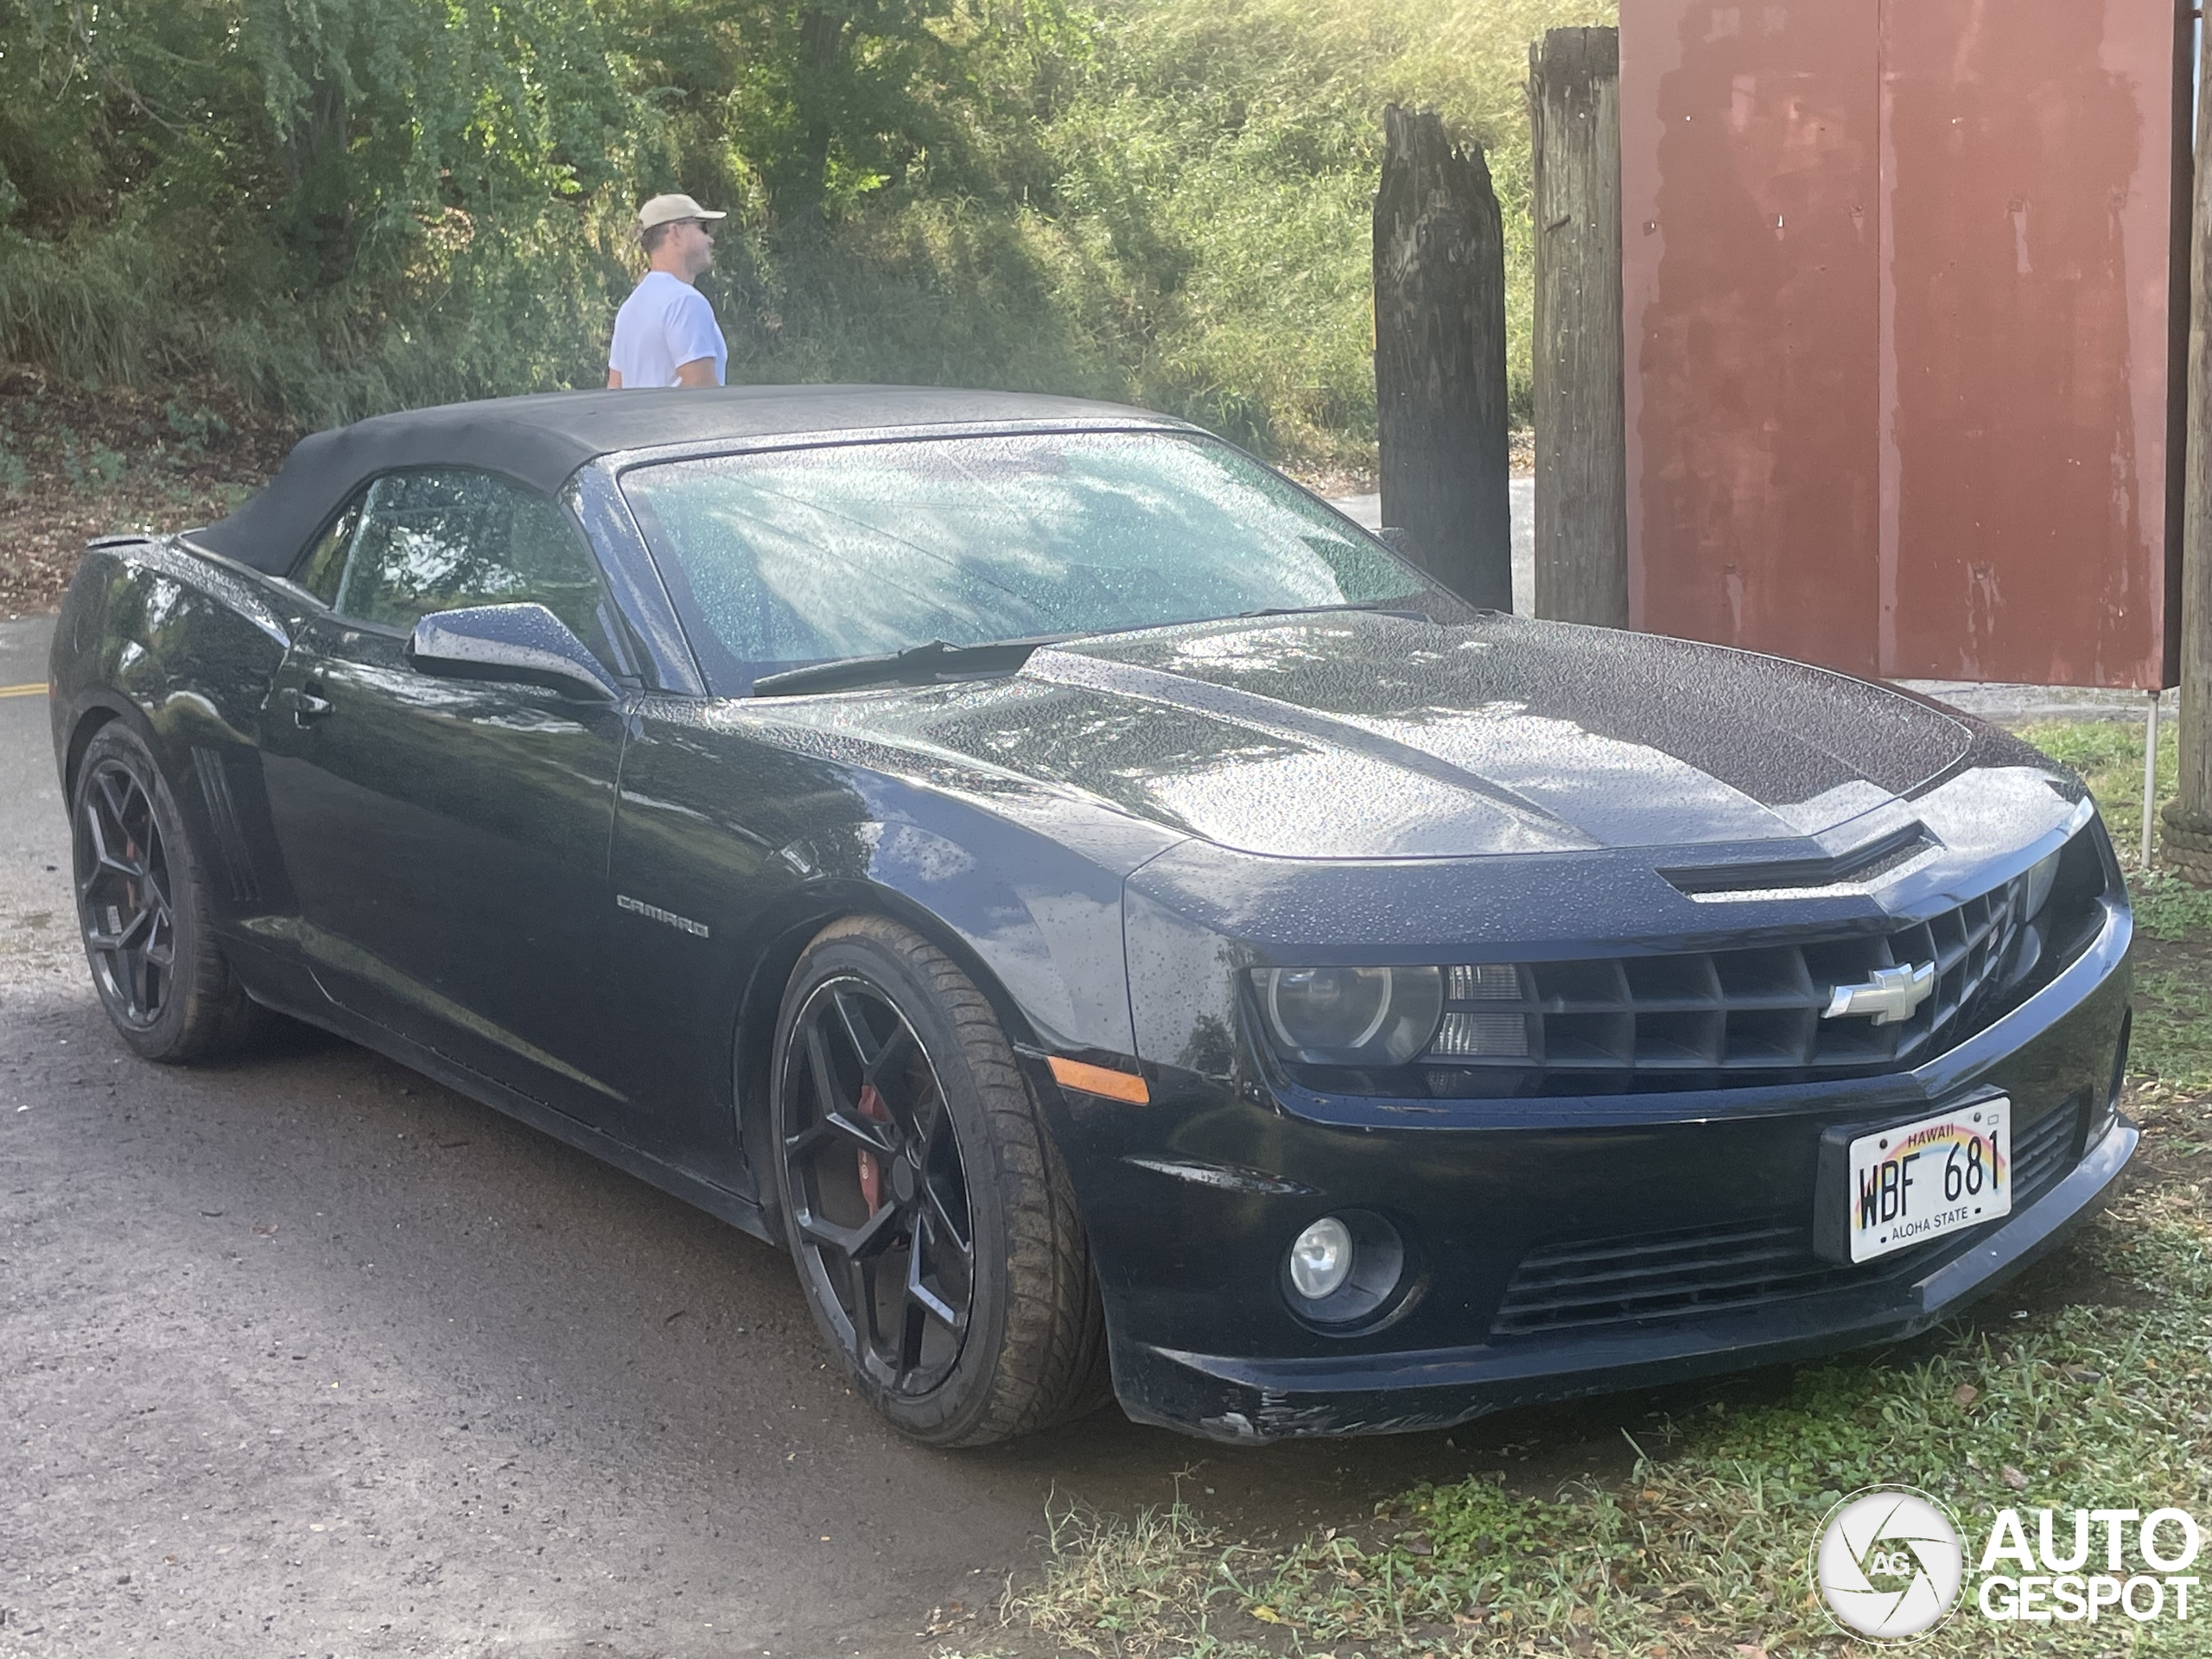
(1896, 278)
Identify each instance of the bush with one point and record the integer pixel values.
(371, 204)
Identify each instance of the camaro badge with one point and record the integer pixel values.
(1890, 994)
(624, 901)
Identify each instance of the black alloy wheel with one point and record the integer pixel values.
(878, 1193)
(123, 895)
(935, 1232)
(145, 911)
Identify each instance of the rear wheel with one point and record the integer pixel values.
(934, 1228)
(144, 911)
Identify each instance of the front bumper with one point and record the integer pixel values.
(1192, 1202)
(1229, 1398)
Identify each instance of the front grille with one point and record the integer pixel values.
(1700, 1019)
(1659, 1276)
(1633, 1281)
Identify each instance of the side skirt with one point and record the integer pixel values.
(736, 1209)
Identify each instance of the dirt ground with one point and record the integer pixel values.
(76, 463)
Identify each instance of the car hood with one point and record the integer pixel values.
(1366, 735)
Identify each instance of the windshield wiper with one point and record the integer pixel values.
(923, 664)
(1379, 607)
(935, 660)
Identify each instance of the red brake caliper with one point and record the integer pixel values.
(872, 1107)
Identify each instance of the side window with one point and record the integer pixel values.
(441, 537)
(325, 561)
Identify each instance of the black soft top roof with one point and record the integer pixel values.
(540, 439)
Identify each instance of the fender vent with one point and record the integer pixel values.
(223, 813)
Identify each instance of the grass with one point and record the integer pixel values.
(2172, 1043)
(2088, 1384)
(2098, 1402)
(2108, 754)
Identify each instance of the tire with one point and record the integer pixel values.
(144, 913)
(902, 1122)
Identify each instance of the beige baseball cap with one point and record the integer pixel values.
(666, 210)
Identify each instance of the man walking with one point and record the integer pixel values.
(665, 333)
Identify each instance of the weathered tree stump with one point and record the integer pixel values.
(1439, 356)
(1581, 530)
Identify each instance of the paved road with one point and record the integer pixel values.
(36, 940)
(308, 1354)
(1368, 510)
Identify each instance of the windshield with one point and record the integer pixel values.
(809, 556)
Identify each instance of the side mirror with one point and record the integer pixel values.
(1400, 540)
(509, 642)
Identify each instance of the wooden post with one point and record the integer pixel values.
(2188, 838)
(1574, 117)
(1439, 356)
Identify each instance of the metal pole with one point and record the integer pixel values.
(2188, 818)
(2150, 772)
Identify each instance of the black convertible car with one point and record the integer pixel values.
(1119, 926)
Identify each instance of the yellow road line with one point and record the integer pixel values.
(35, 688)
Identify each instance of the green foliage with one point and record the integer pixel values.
(341, 206)
(2169, 908)
(355, 204)
(92, 471)
(2171, 1040)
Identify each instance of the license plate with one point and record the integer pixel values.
(1921, 1180)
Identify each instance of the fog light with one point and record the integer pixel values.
(1346, 1272)
(1320, 1260)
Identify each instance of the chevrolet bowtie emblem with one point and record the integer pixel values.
(1890, 994)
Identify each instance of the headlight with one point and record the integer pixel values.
(2041, 879)
(1350, 1016)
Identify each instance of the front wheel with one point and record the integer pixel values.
(934, 1228)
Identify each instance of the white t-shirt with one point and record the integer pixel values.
(665, 322)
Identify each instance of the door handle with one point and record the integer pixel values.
(306, 705)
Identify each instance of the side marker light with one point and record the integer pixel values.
(1101, 1080)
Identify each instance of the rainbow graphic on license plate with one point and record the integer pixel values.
(1921, 1180)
